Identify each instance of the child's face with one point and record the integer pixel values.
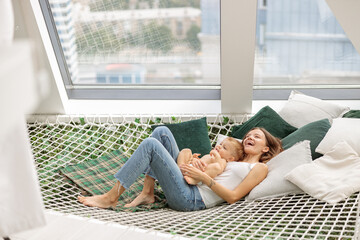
(226, 150)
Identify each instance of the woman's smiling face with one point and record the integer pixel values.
(255, 143)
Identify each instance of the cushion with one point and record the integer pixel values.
(222, 137)
(352, 114)
(275, 184)
(314, 132)
(342, 129)
(268, 119)
(331, 178)
(301, 109)
(191, 134)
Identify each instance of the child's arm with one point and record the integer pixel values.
(215, 156)
(216, 165)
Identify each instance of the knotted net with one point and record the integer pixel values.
(58, 141)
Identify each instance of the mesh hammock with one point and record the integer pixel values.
(58, 141)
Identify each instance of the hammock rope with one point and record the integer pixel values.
(60, 140)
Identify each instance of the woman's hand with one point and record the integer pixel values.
(192, 172)
(199, 164)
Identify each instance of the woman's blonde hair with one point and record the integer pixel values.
(273, 143)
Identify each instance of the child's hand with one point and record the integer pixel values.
(214, 154)
(196, 155)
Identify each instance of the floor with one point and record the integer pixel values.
(69, 227)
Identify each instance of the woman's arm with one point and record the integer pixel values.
(255, 176)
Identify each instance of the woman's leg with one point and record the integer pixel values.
(106, 200)
(133, 168)
(147, 194)
(179, 194)
(166, 138)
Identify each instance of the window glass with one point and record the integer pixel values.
(100, 78)
(127, 78)
(170, 42)
(301, 42)
(114, 79)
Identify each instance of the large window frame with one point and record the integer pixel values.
(230, 100)
(236, 94)
(123, 91)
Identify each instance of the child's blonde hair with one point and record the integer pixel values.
(239, 148)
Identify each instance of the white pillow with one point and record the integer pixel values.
(301, 109)
(275, 184)
(342, 129)
(332, 177)
(222, 137)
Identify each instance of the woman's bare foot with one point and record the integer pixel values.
(190, 180)
(100, 201)
(142, 198)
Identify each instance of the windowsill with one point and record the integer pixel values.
(171, 107)
(142, 107)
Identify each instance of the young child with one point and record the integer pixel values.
(229, 150)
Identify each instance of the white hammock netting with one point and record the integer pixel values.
(58, 141)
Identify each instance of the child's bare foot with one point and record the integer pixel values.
(101, 201)
(190, 180)
(142, 198)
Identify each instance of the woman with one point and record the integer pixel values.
(156, 156)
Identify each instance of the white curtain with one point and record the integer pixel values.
(21, 206)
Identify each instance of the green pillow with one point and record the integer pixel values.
(192, 134)
(268, 119)
(314, 132)
(352, 114)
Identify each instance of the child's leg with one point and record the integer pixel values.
(185, 157)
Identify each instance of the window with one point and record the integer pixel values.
(93, 36)
(301, 44)
(84, 76)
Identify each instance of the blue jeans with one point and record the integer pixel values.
(157, 156)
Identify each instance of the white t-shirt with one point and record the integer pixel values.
(232, 176)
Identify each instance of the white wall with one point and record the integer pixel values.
(347, 14)
(26, 28)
